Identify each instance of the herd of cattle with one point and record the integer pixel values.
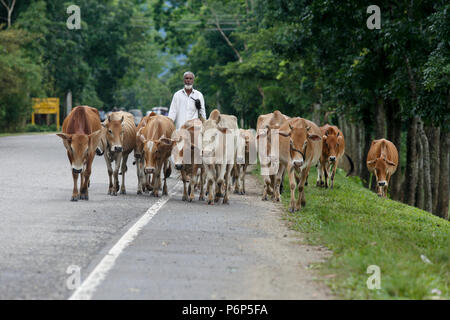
(212, 154)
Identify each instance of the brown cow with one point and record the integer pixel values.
(187, 158)
(143, 179)
(265, 123)
(157, 149)
(118, 140)
(81, 135)
(246, 150)
(300, 148)
(382, 160)
(332, 151)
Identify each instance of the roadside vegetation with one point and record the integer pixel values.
(408, 244)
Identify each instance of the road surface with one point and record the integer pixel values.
(178, 250)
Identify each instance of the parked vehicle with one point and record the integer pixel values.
(137, 115)
(159, 110)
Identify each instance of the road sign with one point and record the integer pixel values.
(46, 106)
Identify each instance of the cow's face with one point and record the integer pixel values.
(211, 136)
(331, 145)
(182, 143)
(381, 169)
(300, 139)
(80, 147)
(155, 151)
(242, 145)
(114, 134)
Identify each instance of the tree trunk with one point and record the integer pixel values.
(410, 183)
(316, 113)
(394, 134)
(428, 195)
(365, 172)
(380, 130)
(433, 134)
(420, 172)
(442, 205)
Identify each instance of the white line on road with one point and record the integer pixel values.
(90, 284)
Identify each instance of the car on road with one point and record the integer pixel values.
(159, 110)
(137, 114)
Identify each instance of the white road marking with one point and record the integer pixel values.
(90, 284)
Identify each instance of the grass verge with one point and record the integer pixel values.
(363, 230)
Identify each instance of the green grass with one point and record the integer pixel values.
(362, 229)
(26, 133)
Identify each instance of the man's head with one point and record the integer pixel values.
(188, 78)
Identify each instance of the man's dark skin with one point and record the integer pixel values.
(189, 80)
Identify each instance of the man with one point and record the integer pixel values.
(187, 103)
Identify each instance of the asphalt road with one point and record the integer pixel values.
(186, 251)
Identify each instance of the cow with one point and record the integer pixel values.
(157, 149)
(332, 151)
(264, 126)
(382, 160)
(246, 148)
(300, 147)
(186, 157)
(118, 140)
(81, 134)
(143, 179)
(218, 153)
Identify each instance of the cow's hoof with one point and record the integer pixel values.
(276, 200)
(190, 199)
(74, 198)
(139, 192)
(201, 198)
(303, 203)
(225, 201)
(291, 210)
(236, 192)
(210, 202)
(123, 192)
(84, 197)
(219, 194)
(264, 198)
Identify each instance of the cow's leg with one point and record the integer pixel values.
(326, 168)
(192, 182)
(227, 181)
(84, 193)
(156, 180)
(242, 178)
(167, 172)
(183, 178)
(210, 179)
(236, 174)
(75, 194)
(124, 169)
(319, 181)
(110, 172)
(115, 188)
(201, 197)
(301, 201)
(292, 186)
(335, 165)
(277, 181)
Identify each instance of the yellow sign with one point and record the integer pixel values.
(46, 106)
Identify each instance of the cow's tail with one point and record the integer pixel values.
(351, 165)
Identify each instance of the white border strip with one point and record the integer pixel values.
(90, 284)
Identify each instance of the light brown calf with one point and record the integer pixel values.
(246, 149)
(119, 139)
(332, 151)
(382, 160)
(157, 149)
(300, 148)
(81, 135)
(186, 156)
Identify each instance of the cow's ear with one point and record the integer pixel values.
(109, 118)
(144, 122)
(103, 124)
(371, 162)
(64, 136)
(389, 162)
(142, 138)
(338, 134)
(218, 120)
(94, 139)
(314, 137)
(121, 119)
(223, 130)
(324, 137)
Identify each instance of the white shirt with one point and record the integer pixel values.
(183, 107)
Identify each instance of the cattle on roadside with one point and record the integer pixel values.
(246, 151)
(332, 151)
(118, 140)
(264, 126)
(382, 161)
(218, 153)
(81, 133)
(300, 148)
(157, 149)
(186, 156)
